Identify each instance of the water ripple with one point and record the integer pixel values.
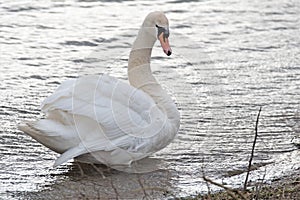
(79, 43)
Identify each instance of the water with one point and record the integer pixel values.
(230, 58)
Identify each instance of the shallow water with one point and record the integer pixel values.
(230, 58)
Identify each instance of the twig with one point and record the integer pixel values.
(230, 191)
(115, 189)
(207, 185)
(208, 189)
(142, 186)
(252, 152)
(150, 188)
(259, 185)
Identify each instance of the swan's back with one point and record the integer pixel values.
(101, 113)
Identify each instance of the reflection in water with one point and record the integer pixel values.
(230, 57)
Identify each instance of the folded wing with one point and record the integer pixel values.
(99, 113)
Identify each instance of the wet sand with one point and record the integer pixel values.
(100, 182)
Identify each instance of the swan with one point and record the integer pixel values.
(100, 119)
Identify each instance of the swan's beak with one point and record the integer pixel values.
(164, 42)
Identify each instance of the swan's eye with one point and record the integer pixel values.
(163, 30)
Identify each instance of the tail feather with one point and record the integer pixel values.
(69, 154)
(29, 129)
(51, 139)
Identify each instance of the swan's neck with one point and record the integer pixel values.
(139, 71)
(140, 74)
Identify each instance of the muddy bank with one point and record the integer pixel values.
(104, 183)
(285, 188)
(99, 182)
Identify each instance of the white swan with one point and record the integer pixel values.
(99, 119)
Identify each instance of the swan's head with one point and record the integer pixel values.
(159, 26)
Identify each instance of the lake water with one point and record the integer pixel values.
(229, 58)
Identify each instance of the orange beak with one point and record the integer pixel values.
(164, 42)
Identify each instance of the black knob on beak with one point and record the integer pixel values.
(169, 53)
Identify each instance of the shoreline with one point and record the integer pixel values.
(90, 186)
(287, 187)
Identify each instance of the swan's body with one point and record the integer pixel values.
(101, 119)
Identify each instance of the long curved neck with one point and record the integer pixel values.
(140, 74)
(139, 71)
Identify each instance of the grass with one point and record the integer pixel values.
(287, 188)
